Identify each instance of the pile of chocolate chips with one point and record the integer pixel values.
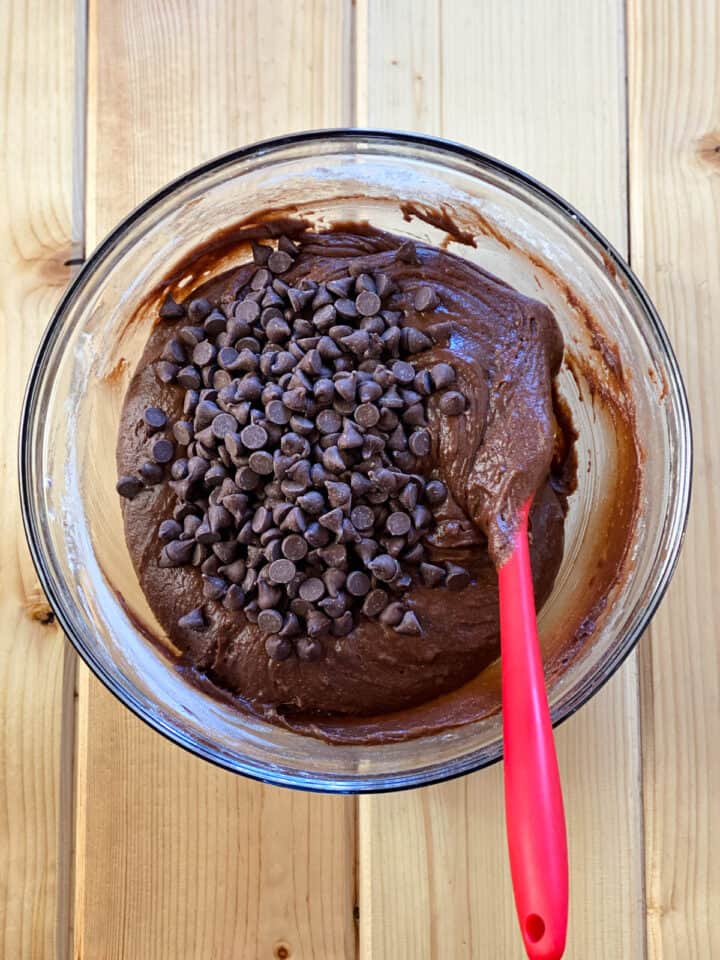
(301, 467)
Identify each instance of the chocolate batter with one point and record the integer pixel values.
(506, 446)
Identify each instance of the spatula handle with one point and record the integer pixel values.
(534, 812)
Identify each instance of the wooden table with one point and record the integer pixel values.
(116, 844)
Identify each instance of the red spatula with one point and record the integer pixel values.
(534, 814)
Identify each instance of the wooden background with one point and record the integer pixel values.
(115, 844)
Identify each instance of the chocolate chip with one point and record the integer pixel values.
(192, 335)
(358, 583)
(340, 287)
(268, 595)
(291, 626)
(276, 412)
(334, 580)
(222, 424)
(403, 372)
(162, 451)
(350, 438)
(214, 587)
(368, 303)
(329, 421)
(452, 403)
(407, 253)
(419, 442)
(279, 261)
(357, 342)
(383, 285)
(215, 323)
(432, 575)
(409, 624)
(325, 318)
(234, 598)
(261, 462)
(335, 606)
(362, 517)
(154, 418)
(294, 547)
(192, 397)
(346, 308)
(311, 589)
(278, 648)
(367, 415)
(384, 567)
(435, 492)
(210, 566)
(392, 614)
(442, 375)
(334, 555)
(332, 520)
(198, 309)
(425, 299)
(270, 621)
(169, 530)
(261, 279)
(457, 578)
(375, 603)
(286, 244)
(332, 460)
(254, 437)
(309, 648)
(343, 625)
(398, 524)
(415, 341)
(277, 330)
(171, 309)
(204, 353)
(189, 378)
(251, 610)
(183, 432)
(129, 487)
(282, 571)
(178, 552)
(235, 571)
(246, 478)
(248, 311)
(193, 620)
(165, 371)
(260, 253)
(218, 517)
(439, 332)
(151, 473)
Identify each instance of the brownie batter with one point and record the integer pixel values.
(504, 446)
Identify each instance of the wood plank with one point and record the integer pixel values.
(541, 86)
(36, 668)
(36, 703)
(675, 217)
(176, 858)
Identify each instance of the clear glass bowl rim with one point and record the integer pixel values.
(676, 389)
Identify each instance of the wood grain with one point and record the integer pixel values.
(542, 87)
(675, 217)
(176, 858)
(36, 169)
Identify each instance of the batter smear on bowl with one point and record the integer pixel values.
(321, 457)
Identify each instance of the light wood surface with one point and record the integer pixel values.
(116, 844)
(675, 213)
(36, 241)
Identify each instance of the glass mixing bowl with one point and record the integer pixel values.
(523, 233)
